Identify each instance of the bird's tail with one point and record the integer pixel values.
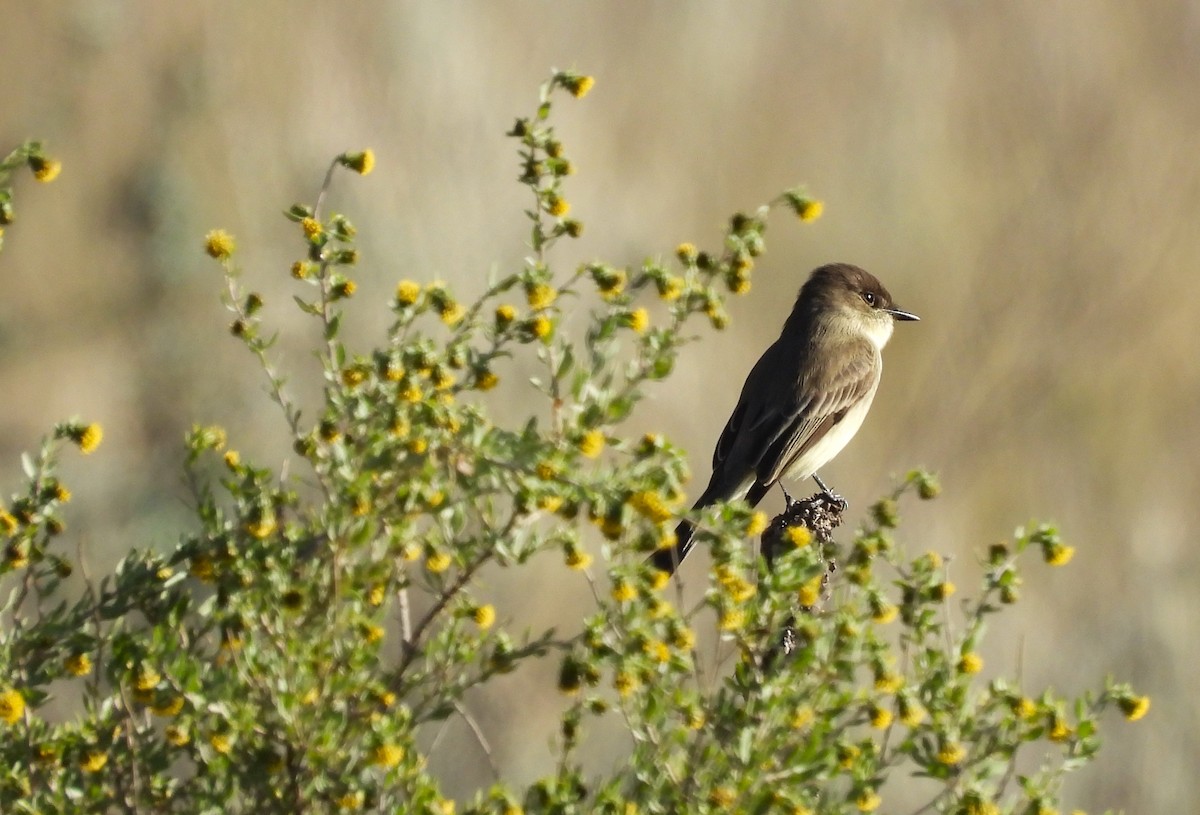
(668, 560)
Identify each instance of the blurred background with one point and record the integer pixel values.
(1024, 175)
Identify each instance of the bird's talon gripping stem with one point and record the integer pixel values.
(830, 495)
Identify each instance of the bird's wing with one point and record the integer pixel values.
(819, 405)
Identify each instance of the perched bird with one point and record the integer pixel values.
(806, 396)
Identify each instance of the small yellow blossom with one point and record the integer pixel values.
(944, 590)
(687, 253)
(757, 525)
(880, 717)
(61, 493)
(45, 169)
(232, 459)
(732, 620)
(659, 579)
(888, 682)
(802, 717)
(453, 314)
(407, 292)
(176, 736)
(1024, 707)
(146, 678)
(1058, 554)
(302, 270)
(669, 288)
(722, 798)
(911, 712)
(624, 683)
(89, 438)
(8, 523)
(623, 592)
(546, 470)
(1059, 730)
(540, 326)
(951, 753)
(650, 505)
(540, 296)
(868, 801)
(578, 86)
(312, 228)
(484, 616)
(219, 244)
(578, 559)
(658, 651)
(262, 527)
(591, 443)
(202, 568)
(437, 562)
(550, 503)
(810, 592)
(168, 708)
(376, 594)
(1134, 707)
(556, 206)
(505, 314)
(684, 639)
(418, 447)
(808, 209)
(12, 706)
(486, 380)
(78, 664)
(387, 755)
(362, 163)
(885, 613)
(638, 320)
(970, 663)
(372, 633)
(94, 761)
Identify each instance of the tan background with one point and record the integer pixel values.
(1024, 175)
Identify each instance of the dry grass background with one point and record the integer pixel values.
(1025, 175)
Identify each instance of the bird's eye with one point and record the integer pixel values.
(869, 298)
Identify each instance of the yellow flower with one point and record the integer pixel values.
(624, 683)
(372, 633)
(550, 503)
(437, 562)
(540, 326)
(146, 678)
(943, 590)
(8, 523)
(884, 613)
(802, 717)
(623, 592)
(202, 568)
(302, 270)
(911, 712)
(639, 320)
(687, 253)
(546, 470)
(376, 594)
(89, 438)
(78, 664)
(658, 651)
(387, 755)
(94, 761)
(578, 559)
(505, 314)
(262, 527)
(757, 525)
(591, 444)
(810, 592)
(443, 379)
(169, 708)
(45, 169)
(1024, 707)
(453, 313)
(970, 663)
(578, 86)
(418, 447)
(732, 620)
(659, 579)
(880, 717)
(1059, 729)
(1058, 554)
(650, 505)
(176, 736)
(556, 206)
(351, 800)
(868, 801)
(484, 616)
(407, 292)
(1134, 707)
(722, 798)
(312, 228)
(808, 209)
(951, 753)
(219, 244)
(232, 459)
(540, 296)
(12, 706)
(669, 288)
(361, 163)
(684, 639)
(486, 381)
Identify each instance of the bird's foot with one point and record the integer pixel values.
(830, 496)
(788, 500)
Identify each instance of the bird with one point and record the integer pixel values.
(806, 396)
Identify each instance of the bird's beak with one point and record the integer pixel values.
(901, 315)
